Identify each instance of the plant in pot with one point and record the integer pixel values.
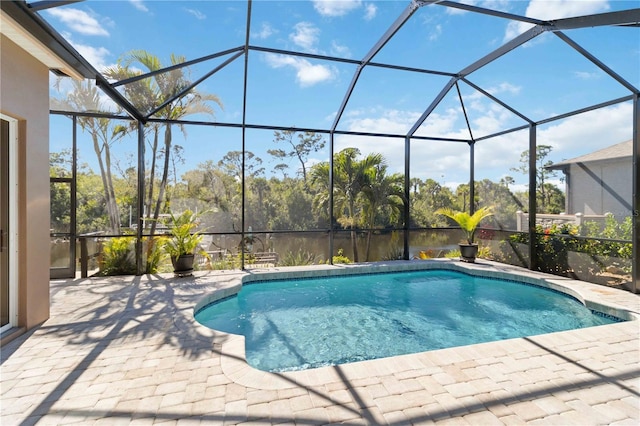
(183, 242)
(468, 223)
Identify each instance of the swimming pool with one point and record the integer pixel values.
(306, 323)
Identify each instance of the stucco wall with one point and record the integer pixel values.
(24, 95)
(590, 196)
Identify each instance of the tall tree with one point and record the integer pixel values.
(153, 92)
(544, 193)
(104, 132)
(382, 194)
(301, 147)
(351, 176)
(431, 196)
(232, 161)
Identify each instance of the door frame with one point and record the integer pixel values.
(12, 231)
(68, 271)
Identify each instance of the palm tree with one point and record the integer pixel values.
(467, 222)
(383, 192)
(85, 97)
(149, 94)
(350, 177)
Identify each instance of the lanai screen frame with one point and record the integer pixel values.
(621, 18)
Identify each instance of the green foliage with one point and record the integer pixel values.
(155, 254)
(307, 143)
(340, 258)
(298, 258)
(483, 253)
(184, 238)
(613, 230)
(468, 223)
(426, 198)
(554, 244)
(549, 198)
(394, 253)
(452, 254)
(118, 257)
(504, 203)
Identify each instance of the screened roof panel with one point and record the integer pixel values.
(487, 116)
(547, 77)
(389, 101)
(345, 29)
(540, 79)
(443, 39)
(446, 120)
(286, 90)
(617, 47)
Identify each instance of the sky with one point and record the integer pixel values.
(541, 79)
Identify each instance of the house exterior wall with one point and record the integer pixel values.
(602, 187)
(24, 95)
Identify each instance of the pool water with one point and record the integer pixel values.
(298, 324)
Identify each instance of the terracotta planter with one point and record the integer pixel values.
(468, 252)
(183, 265)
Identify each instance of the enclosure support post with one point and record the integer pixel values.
(139, 220)
(331, 148)
(532, 197)
(73, 214)
(635, 203)
(472, 178)
(244, 134)
(407, 206)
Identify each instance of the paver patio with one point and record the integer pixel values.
(126, 350)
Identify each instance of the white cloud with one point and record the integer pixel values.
(584, 133)
(502, 5)
(96, 56)
(428, 158)
(370, 11)
(199, 15)
(504, 87)
(555, 9)
(340, 50)
(266, 31)
(571, 137)
(138, 4)
(386, 121)
(436, 31)
(336, 7)
(79, 21)
(584, 75)
(305, 35)
(307, 74)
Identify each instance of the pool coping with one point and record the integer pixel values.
(236, 368)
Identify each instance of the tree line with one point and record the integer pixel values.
(366, 196)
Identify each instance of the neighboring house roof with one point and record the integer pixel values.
(39, 39)
(617, 151)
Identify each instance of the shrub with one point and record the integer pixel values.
(155, 253)
(554, 244)
(118, 257)
(394, 253)
(340, 258)
(301, 257)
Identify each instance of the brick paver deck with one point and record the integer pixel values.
(126, 350)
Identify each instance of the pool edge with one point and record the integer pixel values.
(235, 367)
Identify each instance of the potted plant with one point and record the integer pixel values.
(183, 242)
(468, 223)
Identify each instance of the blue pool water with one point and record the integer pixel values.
(298, 324)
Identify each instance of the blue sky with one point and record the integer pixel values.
(541, 79)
